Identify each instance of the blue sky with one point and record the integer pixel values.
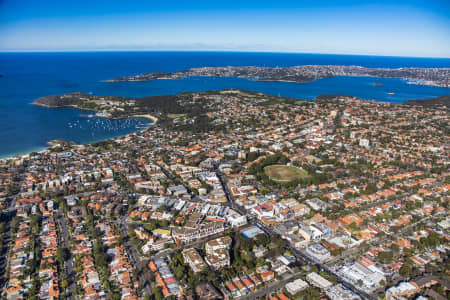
(399, 28)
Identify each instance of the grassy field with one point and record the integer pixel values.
(174, 116)
(284, 173)
(304, 103)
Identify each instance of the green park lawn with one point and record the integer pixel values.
(284, 173)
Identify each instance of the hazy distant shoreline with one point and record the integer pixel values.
(439, 77)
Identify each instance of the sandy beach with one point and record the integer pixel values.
(153, 118)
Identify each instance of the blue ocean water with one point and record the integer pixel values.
(27, 76)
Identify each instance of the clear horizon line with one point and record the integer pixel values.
(202, 50)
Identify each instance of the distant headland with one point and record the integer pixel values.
(302, 74)
(112, 107)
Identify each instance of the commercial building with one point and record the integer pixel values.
(362, 276)
(186, 235)
(339, 292)
(296, 286)
(252, 232)
(318, 252)
(403, 289)
(217, 255)
(194, 260)
(235, 219)
(318, 281)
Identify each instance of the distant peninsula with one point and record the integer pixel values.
(113, 107)
(302, 74)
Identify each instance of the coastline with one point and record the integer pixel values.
(24, 153)
(299, 73)
(409, 80)
(43, 148)
(38, 149)
(154, 120)
(147, 116)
